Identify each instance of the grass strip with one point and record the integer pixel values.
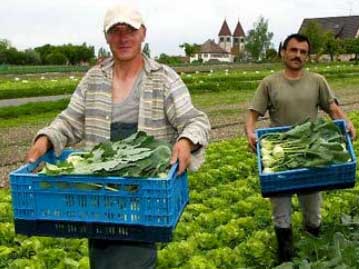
(33, 109)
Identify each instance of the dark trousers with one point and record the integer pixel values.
(113, 254)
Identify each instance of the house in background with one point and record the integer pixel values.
(210, 51)
(344, 27)
(228, 47)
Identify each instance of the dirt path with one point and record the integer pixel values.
(16, 141)
(21, 101)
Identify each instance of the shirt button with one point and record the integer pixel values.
(107, 117)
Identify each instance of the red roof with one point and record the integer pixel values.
(224, 30)
(238, 32)
(211, 47)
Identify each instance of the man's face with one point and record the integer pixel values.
(295, 55)
(125, 41)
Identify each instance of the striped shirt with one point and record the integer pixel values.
(165, 110)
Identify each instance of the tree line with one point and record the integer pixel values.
(47, 54)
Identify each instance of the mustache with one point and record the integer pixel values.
(296, 59)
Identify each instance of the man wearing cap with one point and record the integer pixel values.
(124, 94)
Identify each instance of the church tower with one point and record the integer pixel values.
(225, 37)
(238, 40)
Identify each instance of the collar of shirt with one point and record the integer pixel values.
(150, 66)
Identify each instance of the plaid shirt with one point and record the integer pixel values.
(165, 110)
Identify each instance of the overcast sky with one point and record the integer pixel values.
(28, 24)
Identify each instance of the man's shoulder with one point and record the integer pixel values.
(273, 77)
(169, 72)
(99, 69)
(166, 72)
(314, 75)
(96, 69)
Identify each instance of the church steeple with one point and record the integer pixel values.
(224, 29)
(238, 32)
(238, 40)
(225, 37)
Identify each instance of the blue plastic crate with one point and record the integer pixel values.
(337, 176)
(150, 202)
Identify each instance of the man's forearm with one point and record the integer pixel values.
(46, 141)
(251, 122)
(336, 112)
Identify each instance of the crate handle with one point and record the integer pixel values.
(93, 186)
(173, 171)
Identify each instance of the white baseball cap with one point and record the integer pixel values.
(122, 14)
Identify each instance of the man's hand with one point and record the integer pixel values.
(335, 112)
(252, 141)
(250, 127)
(181, 151)
(351, 130)
(39, 148)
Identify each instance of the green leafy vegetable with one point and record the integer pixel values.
(139, 155)
(308, 145)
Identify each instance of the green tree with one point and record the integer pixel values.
(5, 46)
(272, 55)
(13, 56)
(44, 51)
(146, 50)
(352, 47)
(75, 54)
(331, 45)
(170, 60)
(258, 40)
(103, 53)
(56, 57)
(87, 53)
(32, 57)
(46, 54)
(190, 49)
(316, 36)
(10, 55)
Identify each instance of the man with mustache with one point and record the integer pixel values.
(291, 96)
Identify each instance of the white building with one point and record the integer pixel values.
(210, 51)
(228, 47)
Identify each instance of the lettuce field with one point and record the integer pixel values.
(227, 224)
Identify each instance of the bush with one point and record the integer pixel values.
(56, 58)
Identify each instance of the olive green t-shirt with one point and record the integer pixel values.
(292, 101)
